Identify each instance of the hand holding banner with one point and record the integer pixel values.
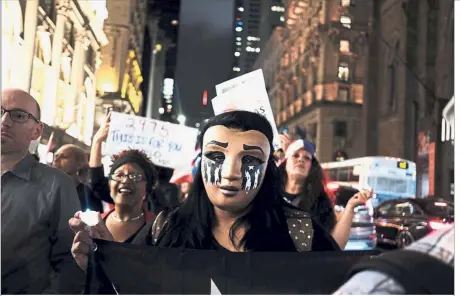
(167, 144)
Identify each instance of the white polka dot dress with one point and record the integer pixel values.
(300, 229)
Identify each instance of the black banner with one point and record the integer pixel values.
(134, 269)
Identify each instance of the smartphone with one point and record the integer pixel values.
(284, 130)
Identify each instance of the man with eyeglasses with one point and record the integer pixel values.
(37, 202)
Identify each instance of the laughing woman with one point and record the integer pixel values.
(131, 179)
(235, 203)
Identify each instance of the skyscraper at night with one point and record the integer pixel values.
(254, 21)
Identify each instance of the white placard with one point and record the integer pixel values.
(255, 77)
(249, 95)
(167, 144)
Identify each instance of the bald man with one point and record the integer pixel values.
(73, 161)
(37, 202)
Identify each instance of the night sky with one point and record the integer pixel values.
(204, 54)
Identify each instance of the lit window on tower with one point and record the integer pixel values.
(344, 72)
(346, 21)
(346, 3)
(344, 46)
(278, 8)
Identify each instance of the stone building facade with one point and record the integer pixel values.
(410, 80)
(314, 70)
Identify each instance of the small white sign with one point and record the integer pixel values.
(167, 144)
(255, 77)
(246, 93)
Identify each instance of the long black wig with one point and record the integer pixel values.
(191, 225)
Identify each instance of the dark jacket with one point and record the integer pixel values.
(87, 199)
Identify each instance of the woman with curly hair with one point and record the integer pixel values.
(131, 179)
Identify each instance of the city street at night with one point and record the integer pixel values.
(228, 147)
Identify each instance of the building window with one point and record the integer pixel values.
(344, 71)
(295, 91)
(392, 87)
(312, 131)
(392, 79)
(304, 83)
(346, 21)
(347, 3)
(340, 129)
(344, 94)
(344, 46)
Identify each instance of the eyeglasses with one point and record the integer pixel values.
(122, 177)
(19, 116)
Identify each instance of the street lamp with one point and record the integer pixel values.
(181, 118)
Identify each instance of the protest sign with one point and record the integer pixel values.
(136, 269)
(255, 77)
(167, 144)
(249, 95)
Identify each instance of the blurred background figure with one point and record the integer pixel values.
(184, 190)
(166, 194)
(73, 161)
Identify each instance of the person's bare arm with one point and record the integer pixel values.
(341, 231)
(95, 159)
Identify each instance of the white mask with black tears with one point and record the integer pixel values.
(233, 165)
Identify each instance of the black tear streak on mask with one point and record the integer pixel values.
(212, 171)
(252, 176)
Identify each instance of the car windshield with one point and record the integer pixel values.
(438, 208)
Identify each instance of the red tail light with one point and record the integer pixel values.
(372, 236)
(435, 225)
